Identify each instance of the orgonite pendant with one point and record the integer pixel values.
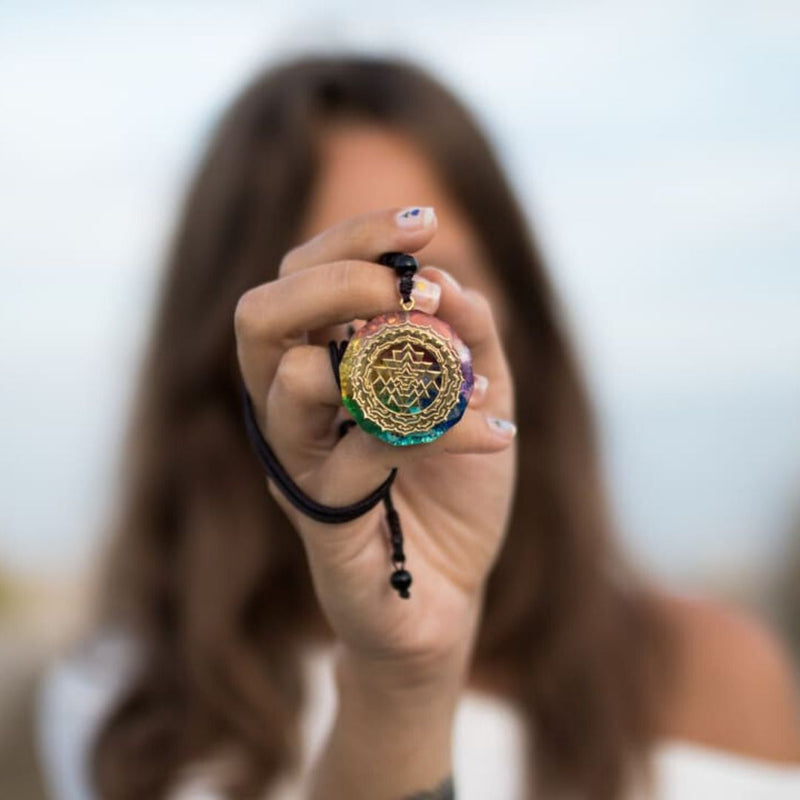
(406, 377)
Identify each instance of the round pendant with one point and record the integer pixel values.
(406, 377)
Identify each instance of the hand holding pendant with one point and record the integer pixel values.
(453, 491)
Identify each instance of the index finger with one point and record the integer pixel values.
(279, 314)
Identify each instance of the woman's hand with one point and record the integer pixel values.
(453, 495)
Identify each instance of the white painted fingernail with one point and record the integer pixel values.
(503, 427)
(426, 293)
(415, 217)
(481, 384)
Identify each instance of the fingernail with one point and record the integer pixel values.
(502, 426)
(415, 217)
(481, 384)
(426, 293)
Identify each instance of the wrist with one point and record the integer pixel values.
(412, 674)
(389, 737)
(406, 726)
(400, 709)
(421, 683)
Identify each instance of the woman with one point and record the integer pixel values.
(221, 589)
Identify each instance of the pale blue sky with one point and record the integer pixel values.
(656, 147)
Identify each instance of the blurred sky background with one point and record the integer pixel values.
(655, 145)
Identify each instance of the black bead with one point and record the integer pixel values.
(401, 580)
(401, 262)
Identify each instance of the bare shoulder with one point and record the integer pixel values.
(735, 686)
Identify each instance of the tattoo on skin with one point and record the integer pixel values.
(444, 791)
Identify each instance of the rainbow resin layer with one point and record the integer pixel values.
(406, 377)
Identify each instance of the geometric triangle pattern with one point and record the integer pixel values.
(403, 380)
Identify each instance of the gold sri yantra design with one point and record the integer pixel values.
(409, 378)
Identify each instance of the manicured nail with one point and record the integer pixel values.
(415, 217)
(426, 293)
(502, 426)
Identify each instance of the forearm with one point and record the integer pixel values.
(391, 740)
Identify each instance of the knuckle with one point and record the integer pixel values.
(341, 278)
(296, 370)
(290, 261)
(249, 317)
(244, 314)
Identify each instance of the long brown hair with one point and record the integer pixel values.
(208, 576)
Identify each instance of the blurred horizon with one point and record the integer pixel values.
(656, 153)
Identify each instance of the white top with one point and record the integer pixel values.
(488, 741)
